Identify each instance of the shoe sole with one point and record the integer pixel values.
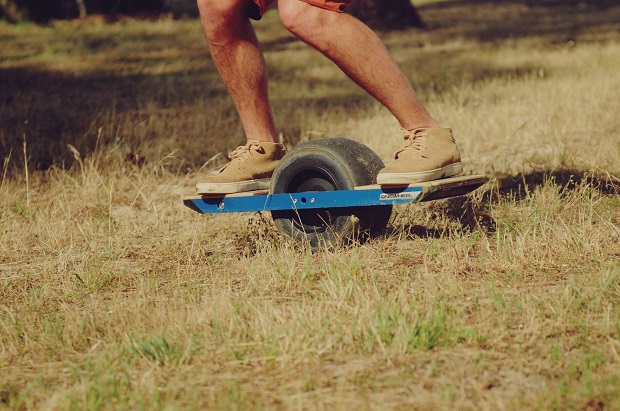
(420, 176)
(235, 187)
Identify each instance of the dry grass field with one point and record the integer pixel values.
(113, 295)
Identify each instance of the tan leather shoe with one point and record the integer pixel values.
(250, 168)
(428, 154)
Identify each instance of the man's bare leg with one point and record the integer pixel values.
(358, 51)
(240, 62)
(429, 152)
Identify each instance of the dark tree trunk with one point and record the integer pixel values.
(387, 14)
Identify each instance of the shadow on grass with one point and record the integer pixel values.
(471, 213)
(50, 109)
(190, 111)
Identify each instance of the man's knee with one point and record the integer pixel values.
(299, 18)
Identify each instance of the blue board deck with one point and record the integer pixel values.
(373, 195)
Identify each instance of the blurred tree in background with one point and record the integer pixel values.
(385, 14)
(41, 11)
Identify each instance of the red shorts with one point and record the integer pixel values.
(333, 5)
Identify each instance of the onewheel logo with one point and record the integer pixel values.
(397, 196)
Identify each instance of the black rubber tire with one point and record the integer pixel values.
(328, 165)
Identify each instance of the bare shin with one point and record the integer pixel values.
(240, 62)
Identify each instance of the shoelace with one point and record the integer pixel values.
(242, 152)
(413, 140)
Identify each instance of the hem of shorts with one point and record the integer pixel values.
(326, 7)
(261, 11)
